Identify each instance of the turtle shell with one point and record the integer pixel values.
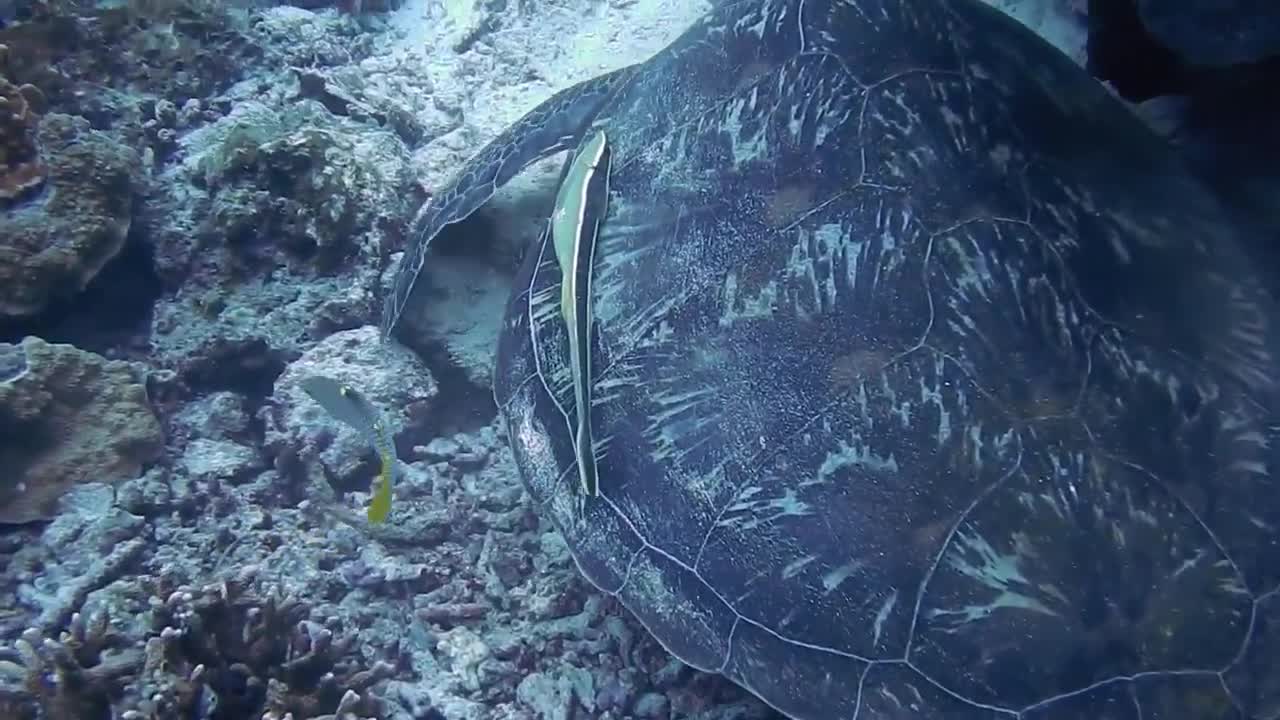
(927, 383)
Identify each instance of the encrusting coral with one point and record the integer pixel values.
(53, 248)
(83, 417)
(220, 652)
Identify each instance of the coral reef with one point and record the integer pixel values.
(189, 48)
(295, 187)
(55, 246)
(81, 417)
(209, 556)
(478, 607)
(283, 215)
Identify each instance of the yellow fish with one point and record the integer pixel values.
(348, 406)
(581, 204)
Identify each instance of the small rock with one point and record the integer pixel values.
(453, 613)
(651, 705)
(211, 460)
(439, 450)
(469, 461)
(91, 519)
(614, 695)
(219, 416)
(549, 699)
(146, 495)
(190, 113)
(505, 644)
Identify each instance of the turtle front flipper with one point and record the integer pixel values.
(556, 125)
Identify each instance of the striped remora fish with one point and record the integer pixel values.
(581, 205)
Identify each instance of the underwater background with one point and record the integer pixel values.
(201, 204)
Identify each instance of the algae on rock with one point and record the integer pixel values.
(302, 181)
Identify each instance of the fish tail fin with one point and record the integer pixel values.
(380, 505)
(587, 460)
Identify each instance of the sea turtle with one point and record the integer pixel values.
(926, 382)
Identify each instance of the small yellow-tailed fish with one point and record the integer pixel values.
(581, 205)
(348, 406)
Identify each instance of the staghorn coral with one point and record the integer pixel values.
(219, 653)
(224, 652)
(21, 169)
(75, 676)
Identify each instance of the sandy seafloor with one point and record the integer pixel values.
(187, 538)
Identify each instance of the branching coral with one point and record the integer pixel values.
(76, 676)
(21, 169)
(217, 653)
(230, 653)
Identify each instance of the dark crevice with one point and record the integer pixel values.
(246, 367)
(1122, 52)
(1219, 118)
(477, 237)
(112, 312)
(469, 237)
(462, 406)
(498, 235)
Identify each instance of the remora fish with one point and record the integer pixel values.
(348, 406)
(581, 204)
